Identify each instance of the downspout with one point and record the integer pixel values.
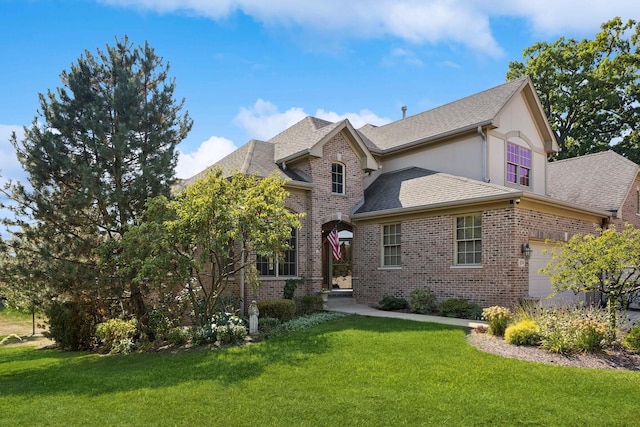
(242, 262)
(484, 154)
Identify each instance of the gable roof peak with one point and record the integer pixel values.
(479, 109)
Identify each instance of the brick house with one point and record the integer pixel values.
(458, 199)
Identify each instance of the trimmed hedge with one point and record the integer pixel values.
(280, 308)
(308, 304)
(391, 303)
(460, 308)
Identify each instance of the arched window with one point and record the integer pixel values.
(337, 178)
(518, 165)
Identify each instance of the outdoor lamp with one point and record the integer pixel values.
(526, 250)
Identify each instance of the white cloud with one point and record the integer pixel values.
(357, 119)
(10, 168)
(464, 22)
(404, 55)
(415, 21)
(552, 17)
(209, 152)
(264, 121)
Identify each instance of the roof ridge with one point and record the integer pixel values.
(599, 153)
(455, 101)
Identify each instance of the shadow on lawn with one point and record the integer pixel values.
(49, 372)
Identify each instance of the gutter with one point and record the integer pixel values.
(482, 200)
(437, 206)
(431, 138)
(484, 154)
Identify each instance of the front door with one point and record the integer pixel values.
(337, 271)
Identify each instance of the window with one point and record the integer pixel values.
(285, 265)
(469, 239)
(518, 164)
(391, 245)
(337, 178)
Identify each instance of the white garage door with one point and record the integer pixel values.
(539, 285)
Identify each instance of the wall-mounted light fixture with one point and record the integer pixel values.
(526, 251)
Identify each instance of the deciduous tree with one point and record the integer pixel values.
(589, 89)
(608, 263)
(207, 235)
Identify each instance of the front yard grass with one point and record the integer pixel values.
(355, 371)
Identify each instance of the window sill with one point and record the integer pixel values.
(465, 266)
(391, 267)
(516, 185)
(339, 194)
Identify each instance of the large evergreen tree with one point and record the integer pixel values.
(100, 145)
(589, 89)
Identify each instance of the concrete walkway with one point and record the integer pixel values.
(348, 305)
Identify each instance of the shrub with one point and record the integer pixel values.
(498, 317)
(632, 339)
(228, 328)
(525, 332)
(224, 327)
(570, 329)
(231, 333)
(71, 324)
(304, 322)
(117, 334)
(460, 308)
(391, 303)
(283, 309)
(422, 301)
(590, 334)
(308, 304)
(178, 336)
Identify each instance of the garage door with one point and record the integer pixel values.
(539, 285)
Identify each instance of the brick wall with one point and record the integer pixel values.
(629, 208)
(321, 207)
(428, 256)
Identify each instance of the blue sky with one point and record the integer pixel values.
(250, 68)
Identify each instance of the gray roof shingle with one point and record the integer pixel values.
(255, 157)
(300, 137)
(601, 180)
(466, 113)
(416, 187)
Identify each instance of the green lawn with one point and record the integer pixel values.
(349, 372)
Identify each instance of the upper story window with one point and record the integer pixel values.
(469, 239)
(518, 164)
(337, 178)
(391, 235)
(285, 265)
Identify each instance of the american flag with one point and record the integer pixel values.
(334, 241)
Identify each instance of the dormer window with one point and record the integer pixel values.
(518, 165)
(337, 178)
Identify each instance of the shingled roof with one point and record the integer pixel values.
(416, 188)
(468, 113)
(255, 157)
(600, 180)
(300, 137)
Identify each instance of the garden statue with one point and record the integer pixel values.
(253, 317)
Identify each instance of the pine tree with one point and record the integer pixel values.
(99, 146)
